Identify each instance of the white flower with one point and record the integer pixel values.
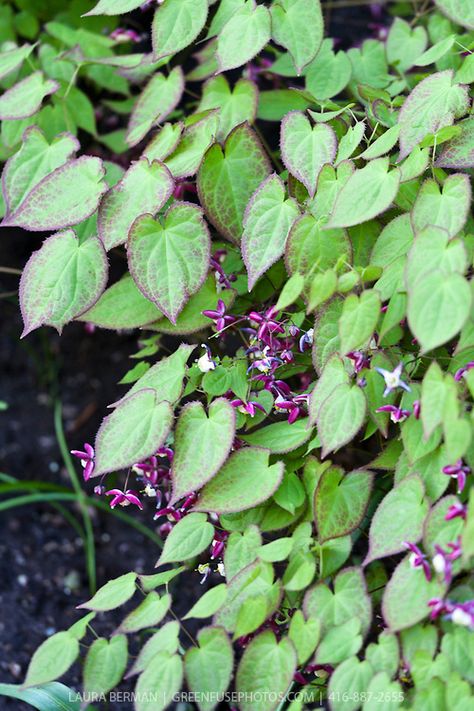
(221, 569)
(461, 617)
(205, 363)
(439, 563)
(149, 490)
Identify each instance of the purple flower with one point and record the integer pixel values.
(442, 561)
(418, 559)
(87, 460)
(123, 498)
(306, 340)
(416, 409)
(361, 361)
(438, 607)
(455, 510)
(396, 413)
(393, 379)
(458, 471)
(267, 325)
(292, 405)
(247, 408)
(219, 316)
(223, 280)
(460, 373)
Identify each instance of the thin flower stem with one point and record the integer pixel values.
(10, 270)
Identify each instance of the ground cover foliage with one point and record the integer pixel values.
(305, 443)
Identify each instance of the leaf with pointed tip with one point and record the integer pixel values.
(244, 35)
(358, 321)
(144, 188)
(105, 664)
(446, 207)
(190, 537)
(383, 144)
(265, 672)
(134, 431)
(333, 374)
(158, 99)
(114, 7)
(340, 502)
(340, 417)
(245, 481)
(305, 148)
(65, 197)
(326, 333)
(113, 594)
(164, 142)
(35, 159)
(196, 139)
(349, 600)
(267, 222)
(209, 603)
(236, 105)
(329, 73)
(459, 151)
(176, 24)
(368, 192)
(298, 26)
(280, 437)
(25, 98)
(170, 261)
(459, 11)
(202, 444)
(121, 306)
(159, 683)
(208, 667)
(405, 44)
(61, 280)
(149, 613)
(434, 103)
(228, 177)
(349, 141)
(439, 305)
(432, 250)
(166, 377)
(52, 659)
(164, 640)
(349, 683)
(399, 518)
(406, 596)
(13, 58)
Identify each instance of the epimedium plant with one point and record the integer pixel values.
(307, 446)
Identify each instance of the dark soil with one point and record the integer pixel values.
(42, 568)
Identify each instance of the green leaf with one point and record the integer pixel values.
(340, 417)
(251, 615)
(150, 582)
(208, 667)
(358, 320)
(321, 289)
(157, 100)
(61, 280)
(381, 689)
(382, 145)
(459, 151)
(166, 639)
(305, 148)
(65, 197)
(236, 105)
(339, 643)
(291, 292)
(434, 103)
(276, 551)
(460, 11)
(274, 104)
(253, 580)
(244, 35)
(439, 531)
(25, 98)
(105, 664)
(13, 58)
(399, 518)
(158, 684)
(349, 600)
(280, 437)
(447, 208)
(209, 603)
(112, 594)
(35, 159)
(434, 53)
(267, 221)
(350, 140)
(265, 672)
(305, 635)
(298, 26)
(52, 659)
(368, 192)
(190, 537)
(148, 614)
(240, 550)
(369, 65)
(121, 306)
(333, 374)
(384, 656)
(80, 628)
(144, 188)
(114, 7)
(348, 683)
(340, 502)
(134, 431)
(196, 139)
(432, 251)
(164, 142)
(226, 181)
(169, 261)
(48, 697)
(438, 307)
(329, 73)
(224, 12)
(405, 44)
(434, 391)
(326, 333)
(176, 24)
(202, 444)
(406, 596)
(245, 481)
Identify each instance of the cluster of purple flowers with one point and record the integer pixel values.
(461, 613)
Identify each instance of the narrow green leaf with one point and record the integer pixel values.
(157, 100)
(209, 603)
(113, 594)
(25, 98)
